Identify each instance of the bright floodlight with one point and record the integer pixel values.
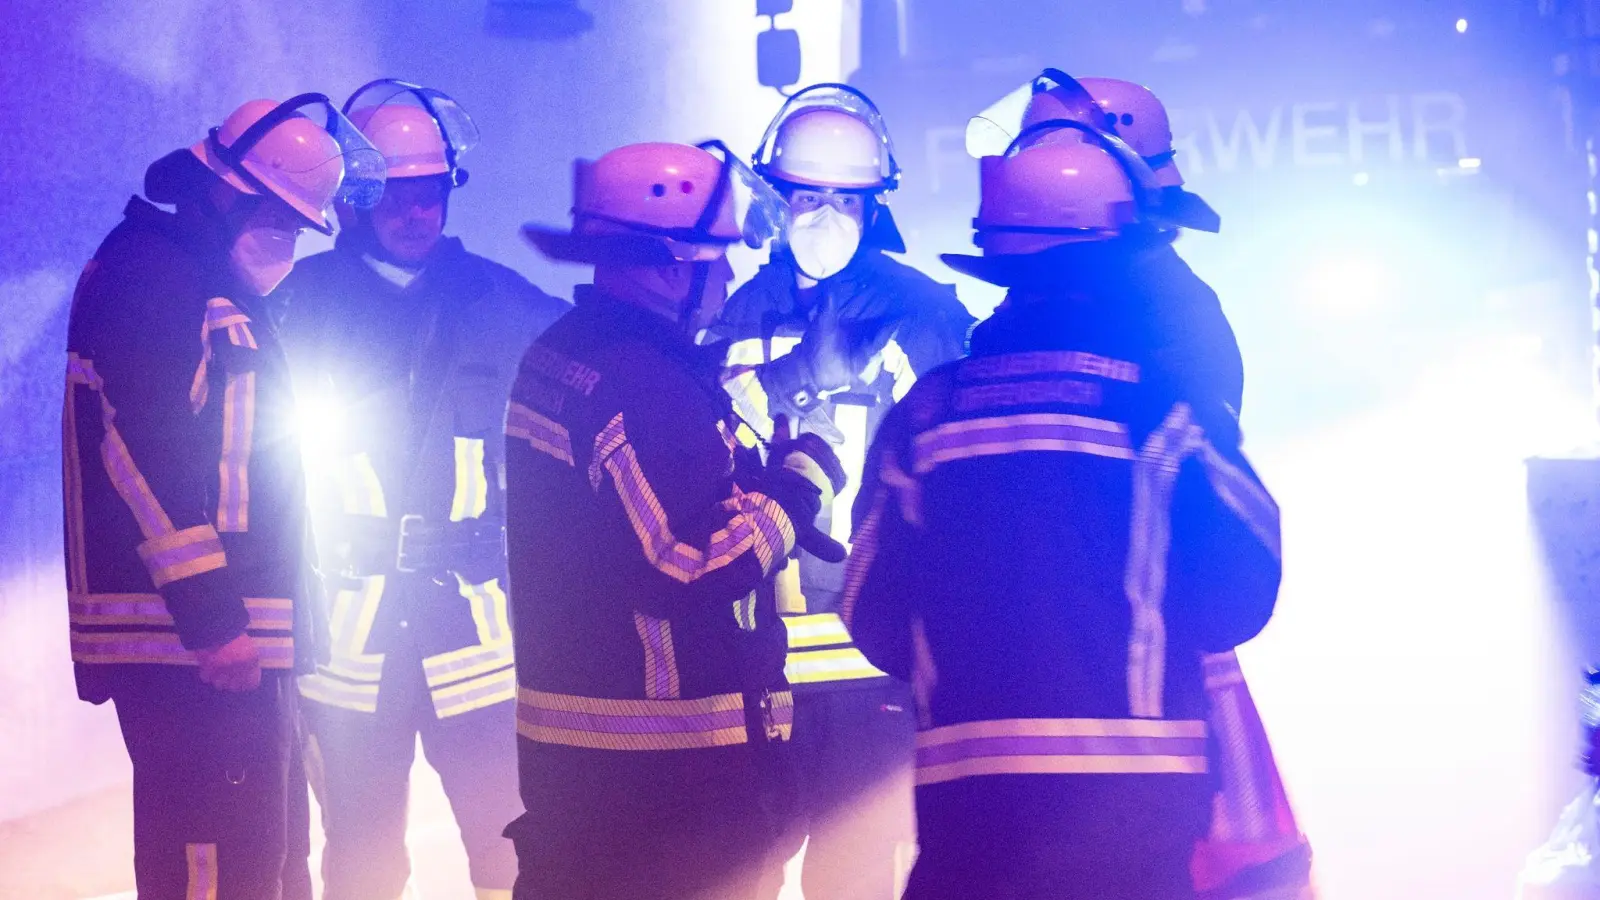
(1461, 26)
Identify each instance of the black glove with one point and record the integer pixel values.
(806, 474)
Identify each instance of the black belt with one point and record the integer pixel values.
(433, 547)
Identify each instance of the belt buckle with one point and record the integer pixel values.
(409, 525)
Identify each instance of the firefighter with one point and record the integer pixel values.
(1188, 315)
(185, 506)
(829, 333)
(643, 540)
(407, 344)
(1051, 534)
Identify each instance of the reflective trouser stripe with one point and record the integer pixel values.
(1061, 747)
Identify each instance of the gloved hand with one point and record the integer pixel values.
(806, 475)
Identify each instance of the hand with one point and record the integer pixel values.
(234, 666)
(803, 475)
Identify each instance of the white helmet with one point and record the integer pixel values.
(1046, 193)
(831, 137)
(420, 131)
(1140, 119)
(264, 147)
(655, 203)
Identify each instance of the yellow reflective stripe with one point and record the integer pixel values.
(543, 434)
(744, 612)
(468, 662)
(351, 624)
(125, 476)
(477, 693)
(758, 523)
(489, 610)
(1222, 670)
(1030, 432)
(182, 554)
(863, 551)
(72, 486)
(266, 613)
(203, 874)
(816, 666)
(472, 484)
(815, 630)
(612, 724)
(331, 692)
(164, 648)
(1061, 747)
(363, 492)
(233, 471)
(1246, 498)
(661, 680)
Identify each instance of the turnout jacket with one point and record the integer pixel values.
(641, 551)
(411, 386)
(1050, 536)
(897, 323)
(184, 497)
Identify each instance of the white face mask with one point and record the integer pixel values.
(262, 257)
(823, 242)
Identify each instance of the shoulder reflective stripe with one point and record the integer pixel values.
(163, 648)
(758, 524)
(1154, 474)
(1031, 432)
(363, 492)
(545, 435)
(476, 693)
(817, 630)
(607, 724)
(816, 666)
(332, 692)
(608, 441)
(661, 680)
(472, 483)
(1060, 747)
(1248, 500)
(203, 876)
(182, 554)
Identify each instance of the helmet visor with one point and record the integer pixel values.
(992, 132)
(459, 131)
(758, 212)
(308, 154)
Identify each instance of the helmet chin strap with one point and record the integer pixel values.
(699, 274)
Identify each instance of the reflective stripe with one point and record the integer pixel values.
(90, 610)
(758, 524)
(476, 693)
(202, 872)
(1047, 362)
(163, 647)
(330, 691)
(863, 550)
(182, 554)
(744, 612)
(545, 435)
(468, 662)
(661, 681)
(354, 612)
(1252, 806)
(72, 481)
(818, 630)
(1030, 432)
(125, 476)
(489, 610)
(472, 483)
(1060, 747)
(816, 666)
(221, 315)
(1248, 500)
(607, 724)
(363, 492)
(1145, 581)
(233, 472)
